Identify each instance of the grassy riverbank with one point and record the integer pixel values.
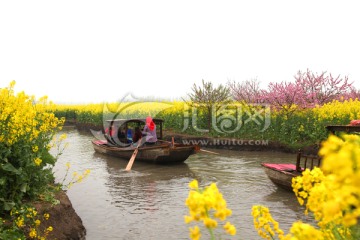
(27, 133)
(287, 129)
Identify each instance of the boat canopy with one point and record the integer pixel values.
(125, 122)
(121, 121)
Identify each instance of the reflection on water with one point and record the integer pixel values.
(149, 201)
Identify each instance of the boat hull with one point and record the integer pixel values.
(162, 153)
(282, 178)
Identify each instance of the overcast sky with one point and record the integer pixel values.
(94, 51)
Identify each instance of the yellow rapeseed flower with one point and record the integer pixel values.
(19, 221)
(305, 231)
(37, 222)
(194, 184)
(195, 233)
(37, 161)
(32, 233)
(62, 137)
(266, 226)
(230, 229)
(332, 192)
(46, 216)
(210, 223)
(35, 148)
(206, 205)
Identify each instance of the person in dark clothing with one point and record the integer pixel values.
(137, 135)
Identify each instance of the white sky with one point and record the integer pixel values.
(93, 51)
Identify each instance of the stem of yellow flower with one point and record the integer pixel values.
(211, 234)
(271, 236)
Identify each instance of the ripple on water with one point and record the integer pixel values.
(149, 201)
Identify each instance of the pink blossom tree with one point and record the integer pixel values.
(308, 90)
(352, 94)
(248, 91)
(284, 96)
(318, 89)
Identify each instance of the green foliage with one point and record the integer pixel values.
(208, 98)
(67, 113)
(24, 223)
(26, 130)
(208, 95)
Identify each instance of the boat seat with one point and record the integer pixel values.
(304, 161)
(281, 166)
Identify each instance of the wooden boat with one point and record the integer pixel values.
(163, 152)
(282, 173)
(343, 128)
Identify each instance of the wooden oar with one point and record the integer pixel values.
(132, 159)
(208, 151)
(173, 144)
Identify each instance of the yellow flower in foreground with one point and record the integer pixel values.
(188, 219)
(12, 83)
(194, 184)
(303, 184)
(38, 161)
(263, 221)
(230, 229)
(207, 205)
(332, 192)
(195, 233)
(210, 223)
(62, 137)
(305, 231)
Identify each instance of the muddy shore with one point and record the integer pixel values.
(63, 219)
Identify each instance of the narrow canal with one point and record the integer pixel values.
(149, 201)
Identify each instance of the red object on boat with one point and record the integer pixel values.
(150, 123)
(355, 122)
(281, 166)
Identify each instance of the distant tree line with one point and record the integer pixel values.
(307, 90)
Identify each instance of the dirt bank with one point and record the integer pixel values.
(63, 218)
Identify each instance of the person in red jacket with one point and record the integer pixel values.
(150, 131)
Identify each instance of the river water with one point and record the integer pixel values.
(149, 201)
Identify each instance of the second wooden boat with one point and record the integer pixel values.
(282, 174)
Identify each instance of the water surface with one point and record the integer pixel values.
(149, 201)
